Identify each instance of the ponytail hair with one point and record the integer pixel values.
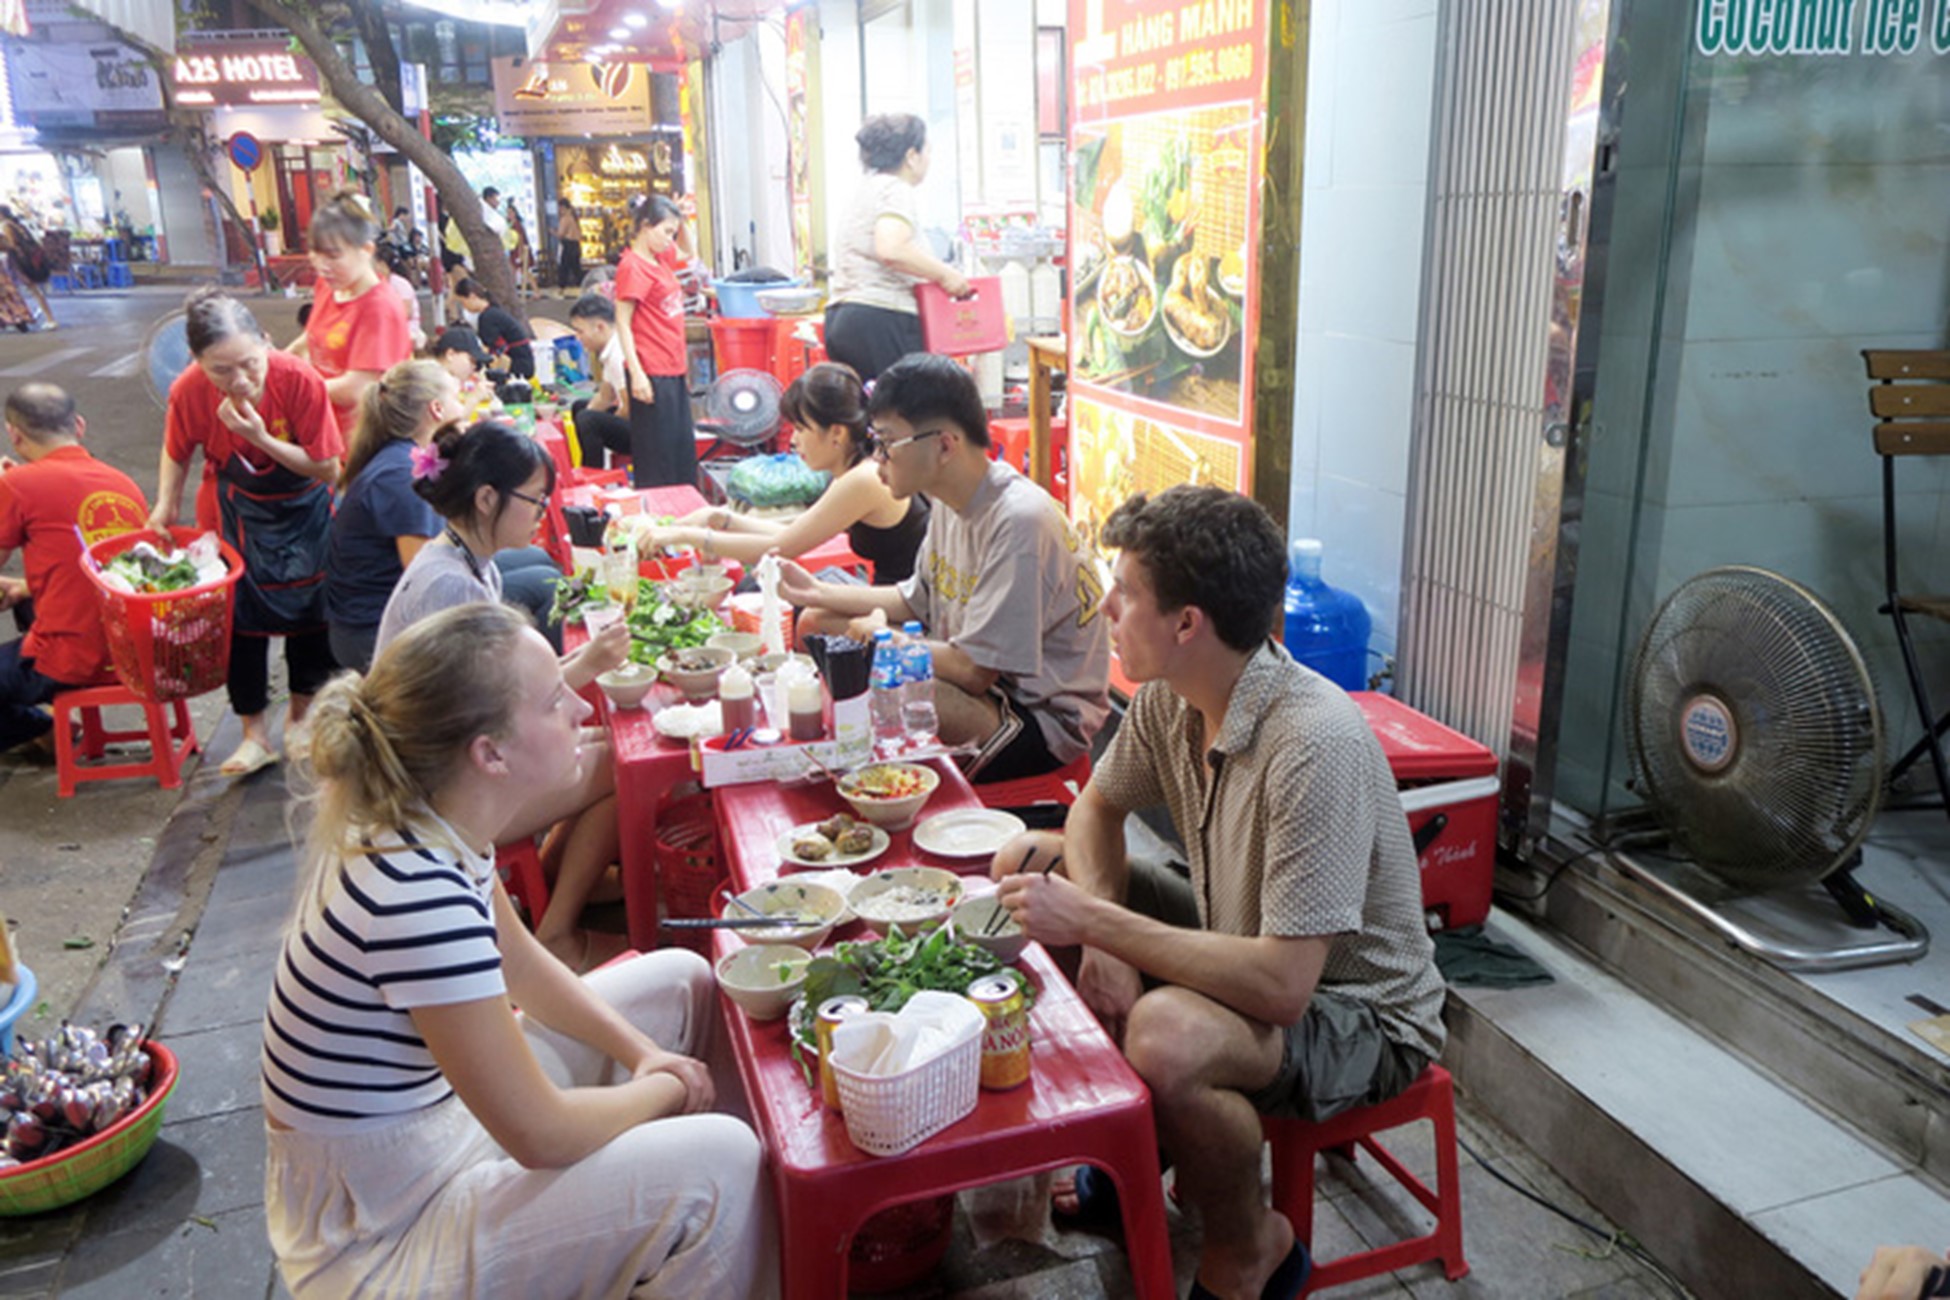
(391, 409)
(830, 395)
(345, 220)
(651, 210)
(487, 453)
(383, 745)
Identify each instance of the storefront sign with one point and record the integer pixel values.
(235, 73)
(67, 85)
(1758, 28)
(534, 98)
(1167, 135)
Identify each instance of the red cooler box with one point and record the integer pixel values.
(1449, 790)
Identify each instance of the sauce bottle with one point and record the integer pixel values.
(736, 698)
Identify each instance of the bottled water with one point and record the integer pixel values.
(918, 716)
(885, 700)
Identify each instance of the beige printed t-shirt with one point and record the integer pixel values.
(1294, 827)
(1012, 584)
(859, 276)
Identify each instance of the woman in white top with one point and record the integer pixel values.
(425, 1139)
(872, 320)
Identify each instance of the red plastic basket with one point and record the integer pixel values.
(689, 866)
(173, 646)
(85, 1168)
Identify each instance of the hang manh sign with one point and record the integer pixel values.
(238, 73)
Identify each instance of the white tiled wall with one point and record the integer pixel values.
(1370, 79)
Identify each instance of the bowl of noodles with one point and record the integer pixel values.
(890, 795)
(1127, 299)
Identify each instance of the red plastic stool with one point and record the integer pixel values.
(1295, 1143)
(520, 865)
(1051, 787)
(170, 733)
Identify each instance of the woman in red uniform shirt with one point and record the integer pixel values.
(262, 419)
(358, 328)
(650, 313)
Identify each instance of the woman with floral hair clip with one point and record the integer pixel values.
(490, 485)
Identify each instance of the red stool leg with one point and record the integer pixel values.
(1448, 1220)
(65, 758)
(163, 759)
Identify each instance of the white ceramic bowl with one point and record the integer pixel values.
(886, 898)
(763, 979)
(790, 898)
(893, 814)
(697, 683)
(974, 916)
(688, 592)
(626, 686)
(746, 645)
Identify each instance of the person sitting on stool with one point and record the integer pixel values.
(1292, 973)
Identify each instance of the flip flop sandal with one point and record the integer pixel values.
(1287, 1282)
(1097, 1205)
(248, 757)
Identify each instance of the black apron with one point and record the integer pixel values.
(281, 523)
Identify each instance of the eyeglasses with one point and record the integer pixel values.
(540, 503)
(881, 449)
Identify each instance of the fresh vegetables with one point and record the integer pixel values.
(885, 781)
(887, 972)
(658, 627)
(147, 571)
(581, 588)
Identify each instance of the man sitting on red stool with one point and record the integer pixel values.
(1291, 974)
(54, 498)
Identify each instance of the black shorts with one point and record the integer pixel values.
(1018, 748)
(870, 339)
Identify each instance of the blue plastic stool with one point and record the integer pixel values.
(89, 274)
(119, 276)
(61, 282)
(17, 1006)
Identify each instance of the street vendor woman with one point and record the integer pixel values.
(1006, 589)
(1291, 974)
(423, 1137)
(264, 424)
(54, 500)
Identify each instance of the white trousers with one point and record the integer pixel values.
(432, 1207)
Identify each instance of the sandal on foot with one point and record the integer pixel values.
(251, 756)
(1097, 1207)
(1287, 1282)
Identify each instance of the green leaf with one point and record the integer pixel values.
(78, 942)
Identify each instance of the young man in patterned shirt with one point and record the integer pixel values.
(1291, 973)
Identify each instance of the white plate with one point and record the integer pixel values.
(686, 721)
(968, 833)
(784, 846)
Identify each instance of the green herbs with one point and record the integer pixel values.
(658, 627)
(573, 592)
(887, 972)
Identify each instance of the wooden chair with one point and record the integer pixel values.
(1910, 398)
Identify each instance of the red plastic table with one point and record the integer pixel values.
(1082, 1104)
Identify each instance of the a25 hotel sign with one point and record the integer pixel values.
(1782, 27)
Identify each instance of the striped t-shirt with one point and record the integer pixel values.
(409, 925)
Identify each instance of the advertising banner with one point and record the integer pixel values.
(534, 98)
(67, 85)
(1167, 136)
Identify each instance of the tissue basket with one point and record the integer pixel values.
(887, 1114)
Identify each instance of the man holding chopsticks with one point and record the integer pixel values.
(1291, 973)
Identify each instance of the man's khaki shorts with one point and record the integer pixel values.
(1334, 1058)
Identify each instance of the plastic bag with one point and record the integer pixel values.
(781, 479)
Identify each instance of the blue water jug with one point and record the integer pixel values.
(1326, 628)
(570, 364)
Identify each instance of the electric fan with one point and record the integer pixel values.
(741, 408)
(1755, 736)
(165, 355)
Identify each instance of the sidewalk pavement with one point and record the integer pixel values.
(189, 1221)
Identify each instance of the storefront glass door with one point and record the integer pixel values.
(1779, 195)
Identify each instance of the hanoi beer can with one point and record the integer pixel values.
(831, 1012)
(1005, 1040)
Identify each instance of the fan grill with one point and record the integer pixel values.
(1801, 776)
(742, 406)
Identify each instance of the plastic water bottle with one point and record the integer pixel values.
(918, 716)
(885, 699)
(1326, 628)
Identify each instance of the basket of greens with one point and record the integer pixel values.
(658, 627)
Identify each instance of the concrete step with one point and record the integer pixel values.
(1726, 1175)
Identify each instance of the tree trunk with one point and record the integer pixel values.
(490, 260)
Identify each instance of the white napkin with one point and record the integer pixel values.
(930, 1024)
(768, 605)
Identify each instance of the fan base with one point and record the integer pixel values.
(1796, 929)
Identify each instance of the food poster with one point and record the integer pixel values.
(801, 38)
(1166, 137)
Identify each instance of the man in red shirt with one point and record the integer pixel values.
(51, 502)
